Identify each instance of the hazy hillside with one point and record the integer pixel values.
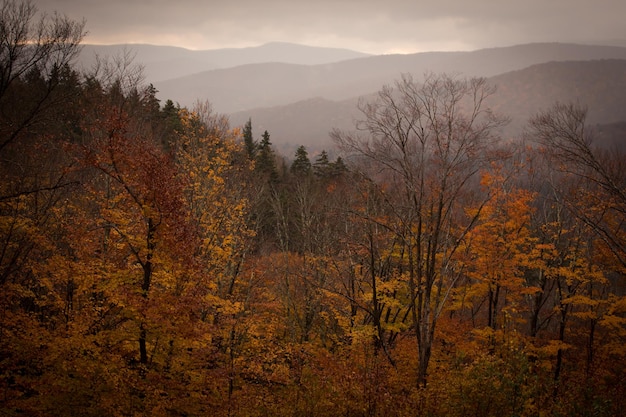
(600, 84)
(306, 122)
(165, 62)
(611, 135)
(272, 84)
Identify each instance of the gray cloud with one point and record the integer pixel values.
(368, 25)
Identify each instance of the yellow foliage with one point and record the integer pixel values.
(553, 347)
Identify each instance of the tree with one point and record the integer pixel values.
(499, 250)
(140, 205)
(325, 170)
(248, 139)
(31, 47)
(266, 159)
(424, 143)
(301, 166)
(321, 164)
(216, 197)
(39, 117)
(588, 199)
(568, 143)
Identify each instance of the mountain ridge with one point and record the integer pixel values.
(169, 62)
(299, 103)
(270, 84)
(598, 84)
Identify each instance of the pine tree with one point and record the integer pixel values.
(171, 123)
(251, 145)
(301, 166)
(265, 159)
(320, 167)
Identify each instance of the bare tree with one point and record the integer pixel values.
(423, 143)
(600, 200)
(31, 46)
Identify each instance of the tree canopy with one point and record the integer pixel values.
(155, 260)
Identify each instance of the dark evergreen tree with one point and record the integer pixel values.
(170, 113)
(150, 104)
(320, 167)
(338, 167)
(171, 124)
(324, 169)
(251, 145)
(265, 158)
(301, 166)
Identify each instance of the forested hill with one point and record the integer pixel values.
(598, 84)
(273, 84)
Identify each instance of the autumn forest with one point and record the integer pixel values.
(155, 260)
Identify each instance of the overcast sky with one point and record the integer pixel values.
(373, 26)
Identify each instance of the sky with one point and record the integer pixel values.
(370, 26)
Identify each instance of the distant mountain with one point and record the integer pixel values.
(299, 93)
(598, 84)
(272, 84)
(165, 62)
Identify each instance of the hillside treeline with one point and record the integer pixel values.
(155, 260)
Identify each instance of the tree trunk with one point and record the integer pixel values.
(145, 287)
(143, 351)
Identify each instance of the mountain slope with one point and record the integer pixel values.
(598, 84)
(272, 84)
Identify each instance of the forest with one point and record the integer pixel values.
(155, 260)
